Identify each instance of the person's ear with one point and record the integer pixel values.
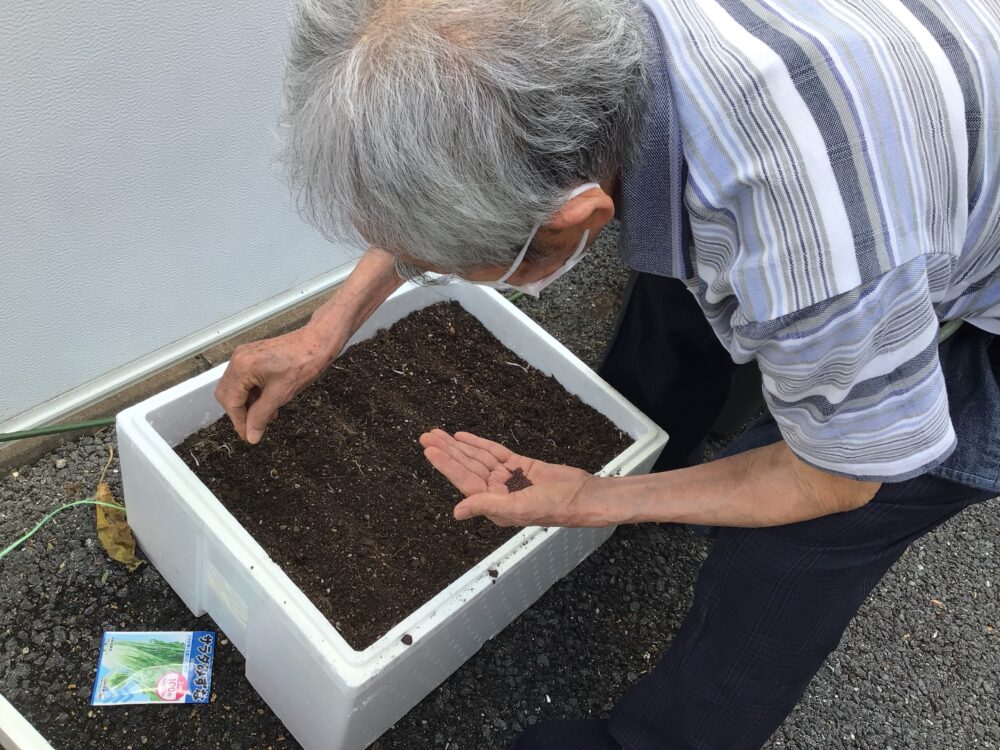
(589, 208)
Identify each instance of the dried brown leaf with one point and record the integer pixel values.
(113, 530)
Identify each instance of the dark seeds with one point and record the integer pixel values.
(518, 481)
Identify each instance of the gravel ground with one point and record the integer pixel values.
(581, 308)
(919, 668)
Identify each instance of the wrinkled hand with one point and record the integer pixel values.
(265, 375)
(480, 468)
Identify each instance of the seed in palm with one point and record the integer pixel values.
(517, 481)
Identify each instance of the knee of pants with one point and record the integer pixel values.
(772, 609)
(766, 667)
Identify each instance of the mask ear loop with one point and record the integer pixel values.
(520, 256)
(534, 288)
(578, 190)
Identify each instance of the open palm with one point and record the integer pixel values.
(480, 468)
(474, 464)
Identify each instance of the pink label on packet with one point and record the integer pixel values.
(172, 687)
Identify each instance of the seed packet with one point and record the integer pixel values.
(173, 667)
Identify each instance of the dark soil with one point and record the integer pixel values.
(338, 492)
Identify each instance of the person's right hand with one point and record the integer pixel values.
(265, 375)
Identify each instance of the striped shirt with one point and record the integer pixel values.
(824, 175)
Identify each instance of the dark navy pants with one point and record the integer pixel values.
(770, 605)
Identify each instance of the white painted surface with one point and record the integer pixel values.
(329, 696)
(139, 199)
(122, 377)
(16, 733)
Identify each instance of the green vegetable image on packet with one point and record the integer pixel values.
(154, 668)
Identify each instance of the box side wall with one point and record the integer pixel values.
(16, 733)
(168, 533)
(298, 679)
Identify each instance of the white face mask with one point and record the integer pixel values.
(534, 288)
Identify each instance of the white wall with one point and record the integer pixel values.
(139, 200)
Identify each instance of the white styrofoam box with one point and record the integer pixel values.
(329, 696)
(16, 732)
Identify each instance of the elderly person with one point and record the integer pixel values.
(824, 179)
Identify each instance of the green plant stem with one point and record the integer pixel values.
(515, 296)
(18, 542)
(55, 429)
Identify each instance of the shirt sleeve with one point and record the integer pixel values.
(854, 382)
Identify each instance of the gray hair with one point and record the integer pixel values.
(444, 130)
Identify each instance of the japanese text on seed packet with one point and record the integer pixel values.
(172, 667)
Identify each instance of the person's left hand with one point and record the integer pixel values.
(480, 468)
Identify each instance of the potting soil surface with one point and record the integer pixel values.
(338, 491)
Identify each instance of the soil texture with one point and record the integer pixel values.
(338, 491)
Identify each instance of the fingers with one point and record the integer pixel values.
(439, 438)
(473, 446)
(467, 482)
(232, 393)
(470, 463)
(499, 508)
(238, 416)
(475, 459)
(499, 452)
(482, 457)
(259, 415)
